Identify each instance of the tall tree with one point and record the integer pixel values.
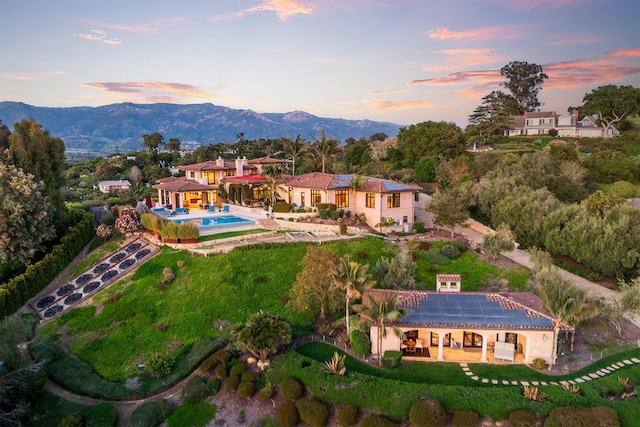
(383, 314)
(449, 208)
(493, 114)
(313, 289)
(297, 148)
(37, 153)
(4, 137)
(625, 302)
(352, 278)
(524, 81)
(173, 145)
(500, 241)
(612, 104)
(152, 143)
(25, 216)
(325, 147)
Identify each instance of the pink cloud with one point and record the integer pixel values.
(484, 76)
(6, 76)
(487, 33)
(577, 40)
(154, 90)
(99, 36)
(283, 9)
(400, 105)
(457, 58)
(389, 91)
(146, 28)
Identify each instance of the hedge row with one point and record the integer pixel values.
(16, 292)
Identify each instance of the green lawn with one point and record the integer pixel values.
(474, 272)
(144, 318)
(193, 414)
(228, 234)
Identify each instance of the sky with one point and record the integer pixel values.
(399, 61)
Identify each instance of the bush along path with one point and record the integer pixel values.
(579, 380)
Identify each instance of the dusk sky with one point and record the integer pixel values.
(402, 61)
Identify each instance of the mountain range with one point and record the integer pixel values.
(119, 127)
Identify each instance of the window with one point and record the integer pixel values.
(393, 200)
(371, 200)
(192, 174)
(290, 195)
(342, 198)
(316, 197)
(471, 339)
(230, 172)
(258, 193)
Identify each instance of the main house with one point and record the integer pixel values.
(567, 125)
(449, 325)
(204, 182)
(374, 197)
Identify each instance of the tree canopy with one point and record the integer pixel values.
(612, 103)
(524, 81)
(430, 138)
(25, 216)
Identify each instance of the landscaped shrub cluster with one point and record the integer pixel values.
(291, 389)
(427, 413)
(465, 418)
(312, 412)
(522, 418)
(600, 416)
(418, 227)
(16, 292)
(168, 229)
(391, 359)
(159, 364)
(360, 342)
(450, 251)
(434, 256)
(347, 416)
(195, 390)
(287, 414)
(374, 420)
(281, 207)
(151, 413)
(242, 380)
(267, 393)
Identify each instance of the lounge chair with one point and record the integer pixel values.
(211, 209)
(225, 209)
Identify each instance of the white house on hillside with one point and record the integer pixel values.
(567, 125)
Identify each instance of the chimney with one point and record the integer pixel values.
(575, 114)
(240, 166)
(220, 162)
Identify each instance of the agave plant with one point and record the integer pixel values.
(626, 384)
(535, 394)
(324, 329)
(335, 366)
(572, 388)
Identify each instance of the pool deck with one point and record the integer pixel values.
(255, 214)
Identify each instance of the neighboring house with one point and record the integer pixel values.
(567, 125)
(375, 198)
(113, 186)
(200, 185)
(455, 326)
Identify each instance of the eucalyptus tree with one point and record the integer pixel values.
(152, 143)
(492, 115)
(524, 81)
(382, 314)
(352, 278)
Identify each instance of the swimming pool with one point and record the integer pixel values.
(217, 221)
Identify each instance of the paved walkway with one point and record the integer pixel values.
(578, 380)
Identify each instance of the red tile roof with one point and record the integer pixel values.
(181, 184)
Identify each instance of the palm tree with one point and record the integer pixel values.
(357, 182)
(325, 147)
(262, 334)
(297, 148)
(585, 308)
(383, 314)
(353, 279)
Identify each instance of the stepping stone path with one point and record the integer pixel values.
(580, 380)
(94, 278)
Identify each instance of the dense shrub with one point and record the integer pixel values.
(238, 369)
(418, 226)
(151, 414)
(434, 256)
(71, 421)
(360, 342)
(465, 418)
(291, 389)
(450, 251)
(195, 390)
(208, 365)
(159, 364)
(312, 412)
(330, 207)
(101, 415)
(233, 382)
(539, 364)
(248, 377)
(281, 207)
(287, 414)
(222, 356)
(342, 226)
(266, 393)
(213, 387)
(391, 359)
(347, 416)
(600, 416)
(376, 421)
(220, 371)
(522, 418)
(460, 244)
(246, 389)
(427, 413)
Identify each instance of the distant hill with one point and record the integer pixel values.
(101, 129)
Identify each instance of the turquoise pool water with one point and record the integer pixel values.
(217, 222)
